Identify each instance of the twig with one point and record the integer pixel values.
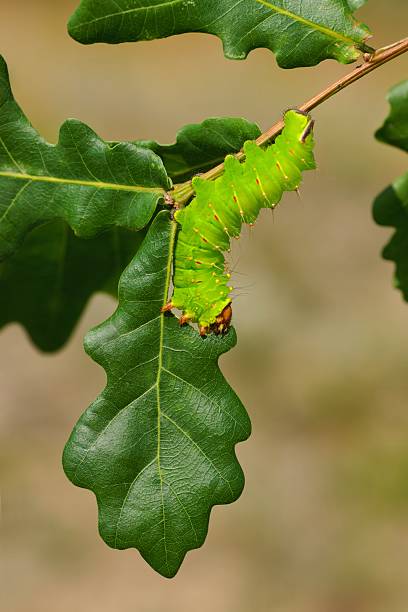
(183, 192)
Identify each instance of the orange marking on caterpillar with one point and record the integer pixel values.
(167, 307)
(183, 320)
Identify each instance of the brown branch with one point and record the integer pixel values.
(184, 192)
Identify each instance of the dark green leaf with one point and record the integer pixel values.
(391, 209)
(391, 206)
(300, 33)
(46, 284)
(202, 146)
(395, 129)
(81, 180)
(157, 446)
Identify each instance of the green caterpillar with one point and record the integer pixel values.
(218, 211)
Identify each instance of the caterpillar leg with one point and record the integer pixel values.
(169, 306)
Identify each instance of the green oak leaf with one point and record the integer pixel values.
(299, 33)
(157, 446)
(391, 206)
(391, 209)
(202, 146)
(395, 128)
(46, 284)
(81, 180)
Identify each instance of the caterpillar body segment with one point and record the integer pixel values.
(220, 207)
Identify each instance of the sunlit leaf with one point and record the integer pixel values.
(81, 180)
(299, 33)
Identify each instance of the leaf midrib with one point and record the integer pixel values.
(80, 183)
(169, 266)
(309, 23)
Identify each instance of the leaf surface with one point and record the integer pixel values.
(157, 446)
(81, 180)
(46, 284)
(391, 206)
(391, 209)
(202, 146)
(299, 33)
(395, 128)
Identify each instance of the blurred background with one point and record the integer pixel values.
(321, 362)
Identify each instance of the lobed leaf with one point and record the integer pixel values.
(299, 33)
(48, 273)
(202, 146)
(157, 446)
(391, 209)
(81, 180)
(46, 284)
(391, 206)
(395, 128)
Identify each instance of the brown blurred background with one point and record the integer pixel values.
(321, 363)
